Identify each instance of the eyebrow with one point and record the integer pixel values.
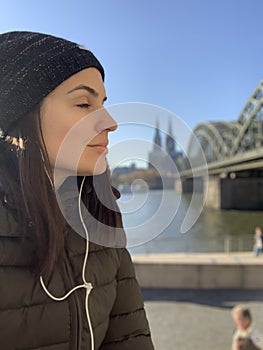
(88, 89)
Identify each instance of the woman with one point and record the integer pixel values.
(66, 279)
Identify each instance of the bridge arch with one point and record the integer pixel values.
(216, 139)
(220, 140)
(251, 121)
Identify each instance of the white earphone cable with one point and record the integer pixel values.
(87, 285)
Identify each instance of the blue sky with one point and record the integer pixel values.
(200, 59)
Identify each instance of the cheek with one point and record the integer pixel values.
(66, 137)
(246, 323)
(53, 138)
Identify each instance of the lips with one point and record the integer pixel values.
(100, 147)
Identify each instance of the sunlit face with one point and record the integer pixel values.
(241, 323)
(75, 125)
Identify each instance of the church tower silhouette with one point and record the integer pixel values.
(164, 158)
(157, 142)
(170, 141)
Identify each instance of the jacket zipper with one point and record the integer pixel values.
(75, 309)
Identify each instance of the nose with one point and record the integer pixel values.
(105, 121)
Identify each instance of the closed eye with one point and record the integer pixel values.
(83, 105)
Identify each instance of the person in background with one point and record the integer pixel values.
(67, 281)
(245, 337)
(258, 239)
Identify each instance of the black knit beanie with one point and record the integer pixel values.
(31, 66)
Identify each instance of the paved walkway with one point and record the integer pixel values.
(197, 319)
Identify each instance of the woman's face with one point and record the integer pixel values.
(75, 125)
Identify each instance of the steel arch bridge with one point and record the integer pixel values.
(224, 140)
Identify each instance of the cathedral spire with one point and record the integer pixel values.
(170, 142)
(157, 142)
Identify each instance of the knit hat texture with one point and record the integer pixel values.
(31, 66)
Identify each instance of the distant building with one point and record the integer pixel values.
(164, 158)
(156, 155)
(120, 170)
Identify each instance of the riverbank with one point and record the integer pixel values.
(199, 271)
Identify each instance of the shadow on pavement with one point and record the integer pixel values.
(222, 298)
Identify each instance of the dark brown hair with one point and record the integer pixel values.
(25, 174)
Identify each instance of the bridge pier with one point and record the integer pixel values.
(189, 185)
(236, 193)
(213, 194)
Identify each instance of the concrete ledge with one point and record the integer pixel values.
(199, 271)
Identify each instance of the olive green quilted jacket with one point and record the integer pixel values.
(30, 319)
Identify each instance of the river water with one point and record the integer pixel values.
(153, 222)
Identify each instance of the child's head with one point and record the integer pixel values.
(241, 317)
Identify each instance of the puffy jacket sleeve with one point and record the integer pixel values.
(128, 326)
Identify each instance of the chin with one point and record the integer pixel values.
(97, 170)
